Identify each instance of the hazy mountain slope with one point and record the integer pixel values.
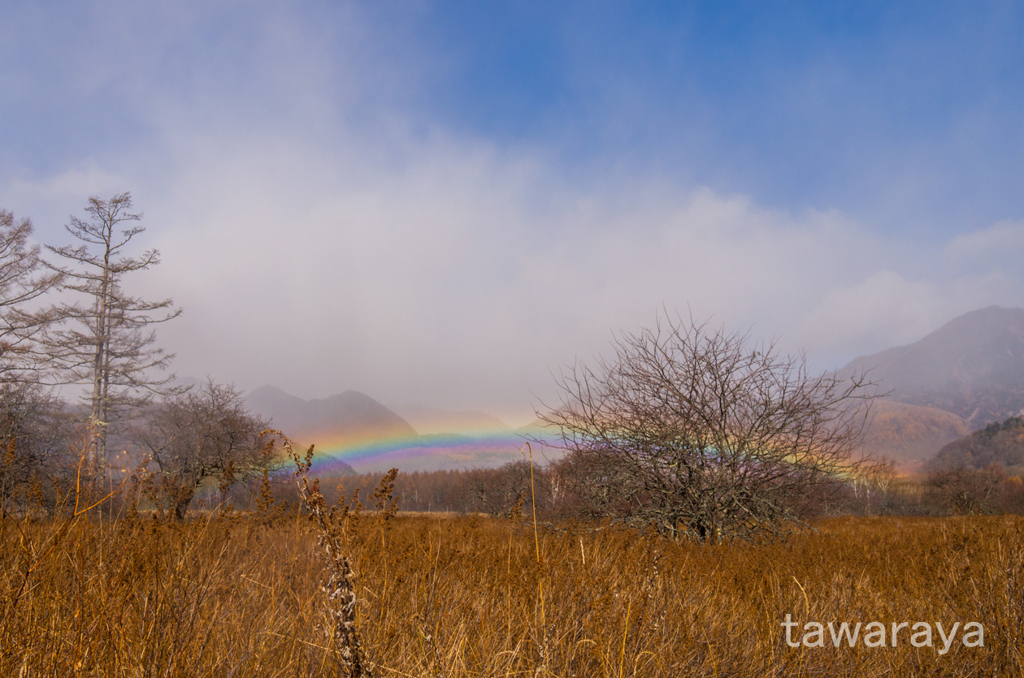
(350, 417)
(1001, 443)
(910, 434)
(973, 366)
(375, 438)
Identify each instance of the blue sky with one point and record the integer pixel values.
(444, 202)
(798, 104)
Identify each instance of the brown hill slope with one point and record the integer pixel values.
(910, 435)
(973, 366)
(1001, 443)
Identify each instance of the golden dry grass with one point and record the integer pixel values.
(239, 596)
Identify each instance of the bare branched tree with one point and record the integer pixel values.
(23, 279)
(966, 491)
(498, 490)
(36, 436)
(110, 346)
(200, 434)
(692, 432)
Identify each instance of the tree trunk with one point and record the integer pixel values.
(98, 418)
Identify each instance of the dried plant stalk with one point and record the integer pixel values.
(340, 587)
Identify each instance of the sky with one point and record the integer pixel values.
(446, 202)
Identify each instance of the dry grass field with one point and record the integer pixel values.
(239, 595)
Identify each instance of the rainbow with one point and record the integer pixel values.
(480, 449)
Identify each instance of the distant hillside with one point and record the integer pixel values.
(352, 414)
(350, 417)
(372, 437)
(973, 367)
(910, 435)
(1001, 443)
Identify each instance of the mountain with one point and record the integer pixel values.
(1001, 443)
(371, 437)
(350, 415)
(348, 418)
(973, 367)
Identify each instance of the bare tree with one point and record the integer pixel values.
(110, 347)
(966, 491)
(500, 490)
(37, 436)
(23, 279)
(692, 432)
(202, 434)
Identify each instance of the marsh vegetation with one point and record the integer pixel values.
(242, 594)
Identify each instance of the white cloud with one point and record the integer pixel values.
(48, 200)
(320, 247)
(1002, 242)
(466, 273)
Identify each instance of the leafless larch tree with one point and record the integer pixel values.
(23, 280)
(107, 343)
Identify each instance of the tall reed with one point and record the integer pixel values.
(237, 594)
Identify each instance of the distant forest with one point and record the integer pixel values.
(507, 492)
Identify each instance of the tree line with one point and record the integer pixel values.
(507, 492)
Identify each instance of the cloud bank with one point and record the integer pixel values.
(322, 234)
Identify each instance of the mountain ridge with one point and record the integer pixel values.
(966, 374)
(998, 443)
(346, 418)
(972, 366)
(372, 437)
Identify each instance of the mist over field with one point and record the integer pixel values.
(442, 206)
